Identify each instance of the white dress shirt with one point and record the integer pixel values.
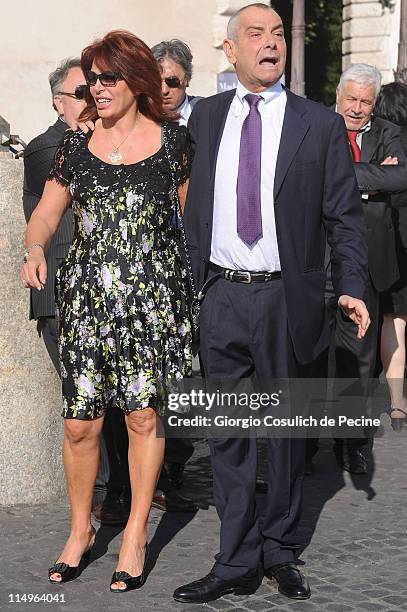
(359, 141)
(184, 110)
(227, 248)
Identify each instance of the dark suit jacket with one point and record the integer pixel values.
(399, 210)
(38, 158)
(315, 192)
(193, 100)
(382, 140)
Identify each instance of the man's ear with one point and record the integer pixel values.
(338, 93)
(58, 105)
(229, 50)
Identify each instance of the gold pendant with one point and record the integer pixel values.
(115, 156)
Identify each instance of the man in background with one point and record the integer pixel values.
(174, 58)
(379, 165)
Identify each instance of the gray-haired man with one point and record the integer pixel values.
(380, 169)
(175, 60)
(67, 90)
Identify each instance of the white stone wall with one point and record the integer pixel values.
(224, 10)
(30, 390)
(36, 35)
(371, 35)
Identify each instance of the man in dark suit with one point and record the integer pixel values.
(174, 58)
(379, 164)
(68, 85)
(272, 175)
(38, 156)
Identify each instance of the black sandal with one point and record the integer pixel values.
(131, 582)
(67, 572)
(397, 423)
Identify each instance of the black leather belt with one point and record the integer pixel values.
(243, 276)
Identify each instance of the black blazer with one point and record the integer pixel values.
(399, 200)
(38, 158)
(382, 140)
(315, 193)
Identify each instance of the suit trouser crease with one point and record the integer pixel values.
(244, 330)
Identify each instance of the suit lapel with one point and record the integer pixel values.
(369, 143)
(294, 129)
(217, 122)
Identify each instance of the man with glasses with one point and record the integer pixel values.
(68, 87)
(68, 90)
(174, 58)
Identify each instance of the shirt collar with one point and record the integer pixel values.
(269, 95)
(366, 128)
(183, 109)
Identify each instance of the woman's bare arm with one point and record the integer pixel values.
(42, 226)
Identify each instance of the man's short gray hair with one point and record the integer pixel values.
(363, 74)
(233, 23)
(176, 50)
(57, 77)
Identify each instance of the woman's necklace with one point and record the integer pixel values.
(115, 156)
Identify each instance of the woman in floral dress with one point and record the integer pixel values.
(122, 292)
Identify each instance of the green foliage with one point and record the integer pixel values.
(323, 45)
(323, 49)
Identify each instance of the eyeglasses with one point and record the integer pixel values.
(172, 82)
(79, 92)
(107, 79)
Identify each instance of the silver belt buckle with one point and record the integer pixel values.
(248, 279)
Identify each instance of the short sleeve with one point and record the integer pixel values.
(182, 154)
(60, 167)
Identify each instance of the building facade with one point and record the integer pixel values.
(371, 30)
(37, 35)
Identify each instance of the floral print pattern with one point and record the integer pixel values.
(122, 292)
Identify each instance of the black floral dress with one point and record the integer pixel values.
(122, 292)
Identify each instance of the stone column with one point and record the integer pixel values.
(370, 35)
(30, 396)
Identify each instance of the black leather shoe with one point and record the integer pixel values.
(291, 582)
(175, 473)
(173, 502)
(211, 587)
(352, 460)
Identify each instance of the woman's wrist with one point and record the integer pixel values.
(36, 245)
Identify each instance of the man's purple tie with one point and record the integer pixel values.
(249, 226)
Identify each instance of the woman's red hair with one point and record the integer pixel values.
(124, 52)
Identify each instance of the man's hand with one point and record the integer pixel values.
(356, 310)
(390, 161)
(86, 126)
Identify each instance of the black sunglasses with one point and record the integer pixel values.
(172, 82)
(79, 92)
(107, 79)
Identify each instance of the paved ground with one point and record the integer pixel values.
(354, 529)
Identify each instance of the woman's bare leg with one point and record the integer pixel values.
(146, 453)
(81, 460)
(393, 354)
